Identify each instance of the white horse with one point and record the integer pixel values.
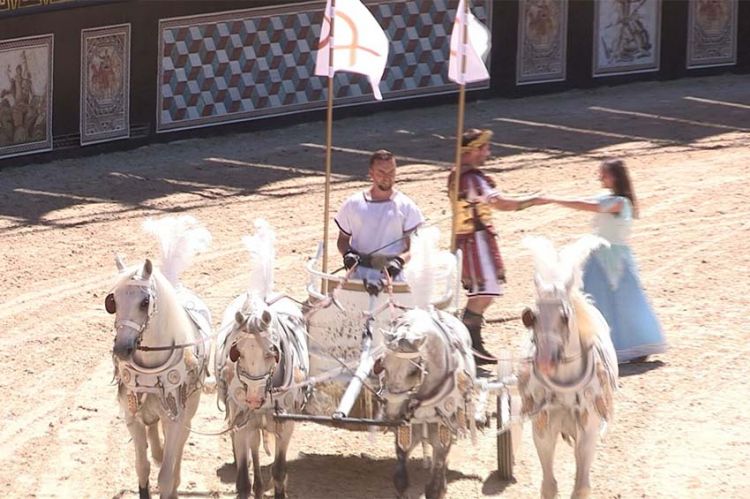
(567, 389)
(261, 361)
(428, 373)
(160, 349)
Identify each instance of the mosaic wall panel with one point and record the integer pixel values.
(26, 95)
(105, 84)
(712, 33)
(542, 40)
(241, 65)
(627, 36)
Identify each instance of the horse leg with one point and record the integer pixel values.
(190, 410)
(157, 450)
(426, 455)
(401, 476)
(239, 447)
(278, 470)
(142, 466)
(175, 436)
(545, 441)
(257, 477)
(585, 450)
(438, 486)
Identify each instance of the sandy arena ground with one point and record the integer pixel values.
(681, 426)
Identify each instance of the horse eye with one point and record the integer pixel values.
(144, 303)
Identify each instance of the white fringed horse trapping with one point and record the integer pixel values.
(160, 349)
(261, 362)
(428, 374)
(567, 389)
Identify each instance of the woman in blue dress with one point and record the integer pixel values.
(610, 276)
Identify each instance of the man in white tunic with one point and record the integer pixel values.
(375, 224)
(483, 273)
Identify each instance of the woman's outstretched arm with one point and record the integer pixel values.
(587, 204)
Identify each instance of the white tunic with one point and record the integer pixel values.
(378, 226)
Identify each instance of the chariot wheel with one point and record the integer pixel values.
(505, 444)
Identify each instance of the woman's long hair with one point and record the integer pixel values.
(623, 186)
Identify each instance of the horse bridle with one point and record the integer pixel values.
(143, 284)
(568, 313)
(248, 379)
(415, 403)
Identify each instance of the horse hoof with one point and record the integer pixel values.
(143, 492)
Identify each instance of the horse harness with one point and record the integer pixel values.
(447, 406)
(290, 357)
(592, 391)
(179, 377)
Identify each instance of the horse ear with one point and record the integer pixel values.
(265, 318)
(239, 318)
(148, 268)
(418, 342)
(109, 304)
(120, 263)
(528, 318)
(234, 353)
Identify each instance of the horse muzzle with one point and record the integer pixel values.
(125, 344)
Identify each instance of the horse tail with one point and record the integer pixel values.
(420, 273)
(261, 246)
(180, 239)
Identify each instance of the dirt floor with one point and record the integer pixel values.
(681, 426)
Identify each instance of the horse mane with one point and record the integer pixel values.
(591, 324)
(421, 270)
(261, 247)
(180, 239)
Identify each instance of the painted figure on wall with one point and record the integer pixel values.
(713, 13)
(542, 22)
(104, 74)
(632, 40)
(19, 98)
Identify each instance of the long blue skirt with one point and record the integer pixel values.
(634, 328)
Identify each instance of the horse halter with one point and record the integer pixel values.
(567, 314)
(149, 301)
(244, 377)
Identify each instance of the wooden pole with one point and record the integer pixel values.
(460, 125)
(329, 148)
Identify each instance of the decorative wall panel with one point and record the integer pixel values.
(26, 95)
(247, 64)
(627, 36)
(542, 37)
(105, 84)
(712, 33)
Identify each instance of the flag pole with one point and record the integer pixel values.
(329, 147)
(460, 125)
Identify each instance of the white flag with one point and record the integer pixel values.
(476, 48)
(359, 44)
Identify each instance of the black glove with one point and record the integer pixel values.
(351, 258)
(394, 266)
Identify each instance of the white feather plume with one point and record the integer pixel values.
(422, 268)
(565, 266)
(180, 238)
(262, 249)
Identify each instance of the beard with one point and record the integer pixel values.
(385, 186)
